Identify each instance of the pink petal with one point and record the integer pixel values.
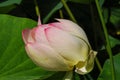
(27, 36)
(40, 34)
(69, 46)
(46, 57)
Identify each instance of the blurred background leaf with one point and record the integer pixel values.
(111, 12)
(7, 9)
(56, 8)
(81, 1)
(14, 62)
(113, 42)
(8, 5)
(9, 2)
(115, 16)
(27, 9)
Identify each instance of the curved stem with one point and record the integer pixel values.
(68, 11)
(107, 40)
(61, 14)
(68, 75)
(98, 64)
(36, 8)
(37, 12)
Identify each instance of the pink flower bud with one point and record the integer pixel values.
(59, 46)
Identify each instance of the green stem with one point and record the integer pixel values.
(61, 14)
(68, 11)
(68, 75)
(107, 40)
(98, 64)
(37, 8)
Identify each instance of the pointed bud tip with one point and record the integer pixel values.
(39, 21)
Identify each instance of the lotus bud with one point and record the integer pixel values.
(59, 46)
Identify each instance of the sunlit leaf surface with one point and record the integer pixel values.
(14, 63)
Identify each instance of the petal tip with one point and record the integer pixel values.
(39, 21)
(25, 34)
